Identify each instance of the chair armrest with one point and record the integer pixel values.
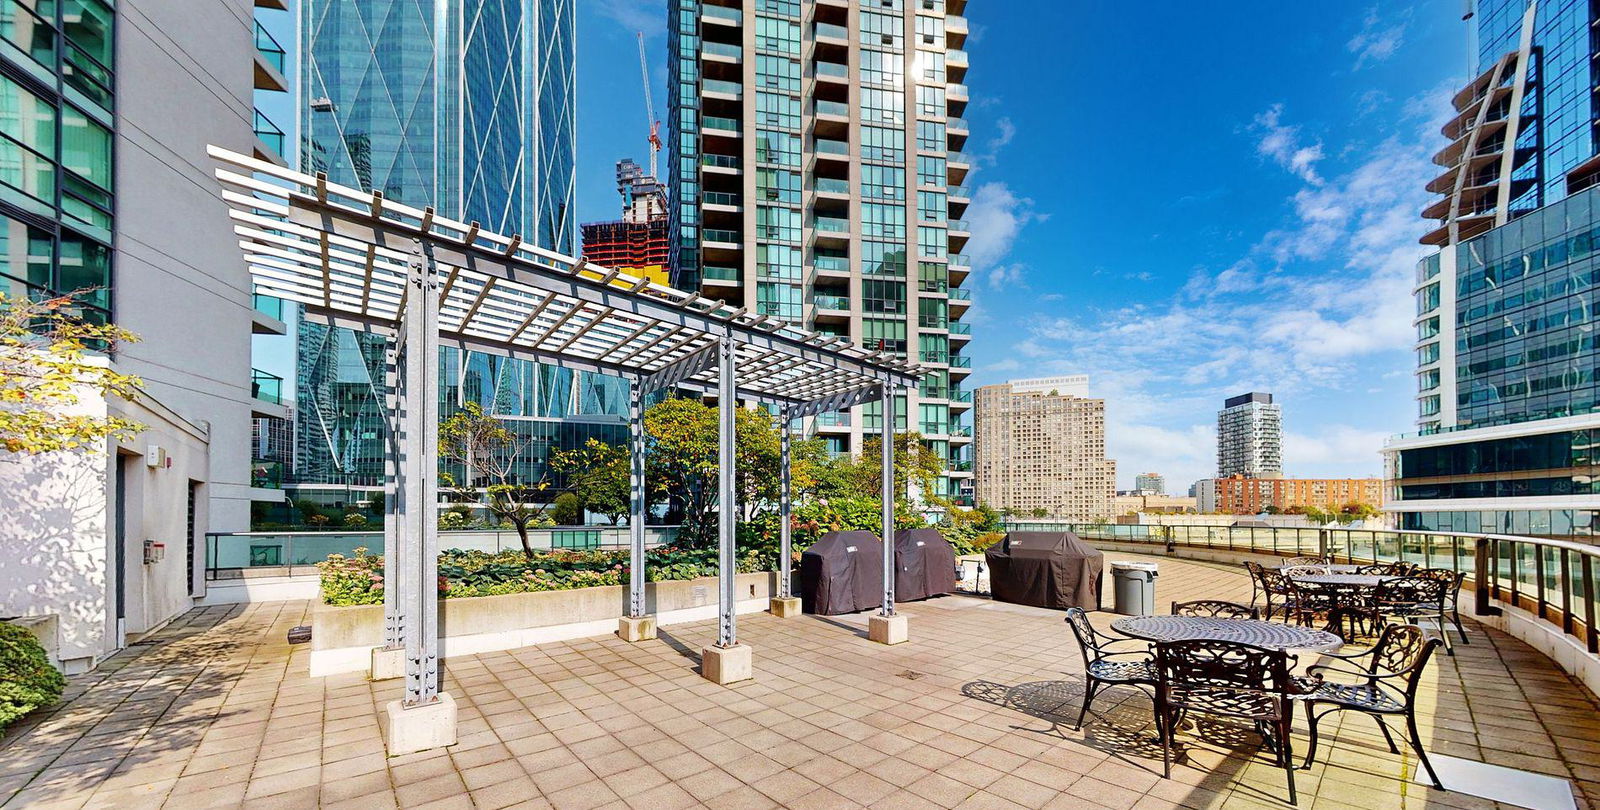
(1380, 674)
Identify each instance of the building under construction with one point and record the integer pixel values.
(637, 243)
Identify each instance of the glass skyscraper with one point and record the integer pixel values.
(817, 175)
(1508, 407)
(468, 106)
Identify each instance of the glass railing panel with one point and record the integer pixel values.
(720, 13)
(831, 31)
(266, 386)
(720, 273)
(722, 49)
(270, 49)
(833, 70)
(719, 122)
(831, 185)
(720, 161)
(719, 235)
(269, 133)
(959, 328)
(268, 306)
(720, 86)
(832, 301)
(832, 224)
(825, 107)
(720, 198)
(836, 264)
(828, 146)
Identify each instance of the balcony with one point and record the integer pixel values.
(722, 238)
(266, 395)
(839, 265)
(729, 163)
(717, 88)
(721, 16)
(271, 61)
(837, 34)
(270, 141)
(832, 109)
(955, 57)
(960, 294)
(959, 226)
(720, 124)
(831, 225)
(955, 25)
(837, 303)
(720, 200)
(720, 275)
(958, 125)
(960, 328)
(960, 361)
(831, 185)
(829, 148)
(266, 316)
(722, 52)
(833, 72)
(834, 419)
(956, 92)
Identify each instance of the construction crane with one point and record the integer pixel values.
(649, 108)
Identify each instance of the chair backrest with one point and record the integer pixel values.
(1215, 608)
(1403, 649)
(1088, 639)
(1376, 569)
(1451, 579)
(1274, 582)
(1222, 667)
(1305, 571)
(1413, 590)
(1293, 561)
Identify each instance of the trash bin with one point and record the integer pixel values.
(1135, 587)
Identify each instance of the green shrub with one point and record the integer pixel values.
(567, 511)
(27, 680)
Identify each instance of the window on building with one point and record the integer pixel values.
(933, 242)
(884, 145)
(933, 277)
(782, 36)
(932, 206)
(931, 171)
(883, 258)
(931, 136)
(883, 221)
(884, 182)
(883, 296)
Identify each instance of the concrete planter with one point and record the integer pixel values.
(343, 637)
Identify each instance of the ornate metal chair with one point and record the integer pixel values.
(1413, 598)
(1215, 609)
(1105, 666)
(1385, 681)
(1294, 561)
(1274, 585)
(1226, 679)
(1452, 597)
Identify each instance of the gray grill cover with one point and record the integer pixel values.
(924, 564)
(842, 573)
(1045, 569)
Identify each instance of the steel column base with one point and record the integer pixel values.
(725, 665)
(388, 663)
(889, 629)
(420, 728)
(642, 628)
(784, 606)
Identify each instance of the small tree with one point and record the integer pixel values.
(597, 472)
(354, 520)
(567, 510)
(45, 365)
(1040, 512)
(491, 452)
(1355, 511)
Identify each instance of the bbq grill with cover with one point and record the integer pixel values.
(924, 564)
(1045, 569)
(841, 573)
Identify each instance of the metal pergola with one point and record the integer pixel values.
(355, 259)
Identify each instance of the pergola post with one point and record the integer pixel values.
(727, 661)
(388, 661)
(426, 717)
(887, 627)
(785, 604)
(638, 625)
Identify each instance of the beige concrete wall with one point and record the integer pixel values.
(342, 637)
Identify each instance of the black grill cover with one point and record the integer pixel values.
(924, 564)
(1045, 569)
(842, 573)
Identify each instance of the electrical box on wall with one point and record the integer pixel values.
(154, 552)
(155, 456)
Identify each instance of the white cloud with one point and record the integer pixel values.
(1316, 311)
(648, 16)
(1282, 144)
(995, 218)
(1005, 275)
(1004, 132)
(1376, 41)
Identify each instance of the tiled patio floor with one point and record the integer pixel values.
(217, 711)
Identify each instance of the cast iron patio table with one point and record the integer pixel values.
(1332, 568)
(1272, 635)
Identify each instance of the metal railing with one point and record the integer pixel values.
(269, 133)
(1550, 579)
(720, 122)
(266, 386)
(720, 161)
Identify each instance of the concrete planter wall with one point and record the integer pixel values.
(343, 637)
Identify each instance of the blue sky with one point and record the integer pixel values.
(1184, 200)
